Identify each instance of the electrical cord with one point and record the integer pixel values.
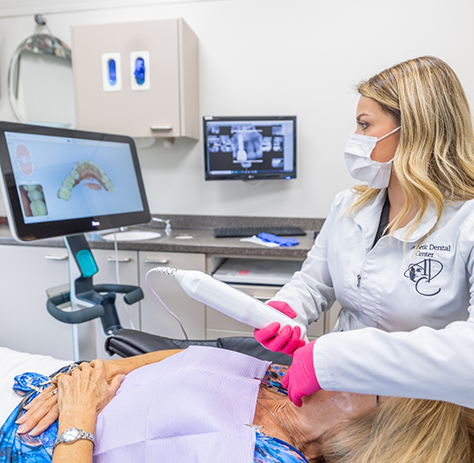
(117, 277)
(169, 272)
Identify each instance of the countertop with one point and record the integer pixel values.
(203, 241)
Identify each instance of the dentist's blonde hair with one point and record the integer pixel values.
(434, 161)
(405, 431)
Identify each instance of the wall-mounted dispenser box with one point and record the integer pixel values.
(139, 79)
(111, 72)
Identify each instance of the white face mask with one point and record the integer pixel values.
(360, 164)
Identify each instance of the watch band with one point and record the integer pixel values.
(72, 435)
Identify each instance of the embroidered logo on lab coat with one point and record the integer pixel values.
(422, 274)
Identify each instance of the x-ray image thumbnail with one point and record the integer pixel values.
(247, 142)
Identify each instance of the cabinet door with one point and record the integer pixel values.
(129, 315)
(26, 272)
(128, 111)
(155, 318)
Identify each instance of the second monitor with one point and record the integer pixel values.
(246, 148)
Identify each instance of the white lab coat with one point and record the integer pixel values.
(407, 317)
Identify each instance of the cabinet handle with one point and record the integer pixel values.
(162, 262)
(120, 260)
(48, 257)
(160, 127)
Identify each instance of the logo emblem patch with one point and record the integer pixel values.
(422, 274)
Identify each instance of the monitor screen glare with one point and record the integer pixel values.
(250, 148)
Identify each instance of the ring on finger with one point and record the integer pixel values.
(72, 367)
(53, 392)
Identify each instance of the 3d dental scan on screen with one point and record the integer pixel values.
(247, 148)
(59, 182)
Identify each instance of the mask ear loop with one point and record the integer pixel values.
(385, 136)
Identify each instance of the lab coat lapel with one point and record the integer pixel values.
(426, 224)
(368, 219)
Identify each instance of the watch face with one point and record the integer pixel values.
(70, 435)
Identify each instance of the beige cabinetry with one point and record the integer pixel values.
(25, 325)
(165, 104)
(155, 318)
(27, 272)
(25, 275)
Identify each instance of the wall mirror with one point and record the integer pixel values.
(40, 80)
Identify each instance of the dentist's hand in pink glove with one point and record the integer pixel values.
(288, 339)
(300, 379)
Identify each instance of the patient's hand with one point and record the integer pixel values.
(81, 397)
(87, 388)
(41, 413)
(114, 368)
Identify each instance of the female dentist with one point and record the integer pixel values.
(397, 254)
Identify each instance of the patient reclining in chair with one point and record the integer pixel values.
(212, 405)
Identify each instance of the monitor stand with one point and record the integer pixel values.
(86, 301)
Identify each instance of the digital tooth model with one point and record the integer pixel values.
(24, 161)
(85, 170)
(33, 200)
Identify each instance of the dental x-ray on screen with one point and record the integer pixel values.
(246, 148)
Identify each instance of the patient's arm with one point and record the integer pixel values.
(43, 410)
(126, 365)
(81, 397)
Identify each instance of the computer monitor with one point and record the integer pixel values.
(59, 182)
(247, 148)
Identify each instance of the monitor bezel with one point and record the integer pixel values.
(35, 231)
(256, 176)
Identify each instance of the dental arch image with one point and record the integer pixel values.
(33, 201)
(24, 160)
(85, 170)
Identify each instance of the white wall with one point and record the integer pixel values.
(277, 57)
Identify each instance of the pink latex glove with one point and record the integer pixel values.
(288, 339)
(300, 379)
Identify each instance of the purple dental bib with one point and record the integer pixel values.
(191, 407)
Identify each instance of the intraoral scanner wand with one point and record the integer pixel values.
(228, 300)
